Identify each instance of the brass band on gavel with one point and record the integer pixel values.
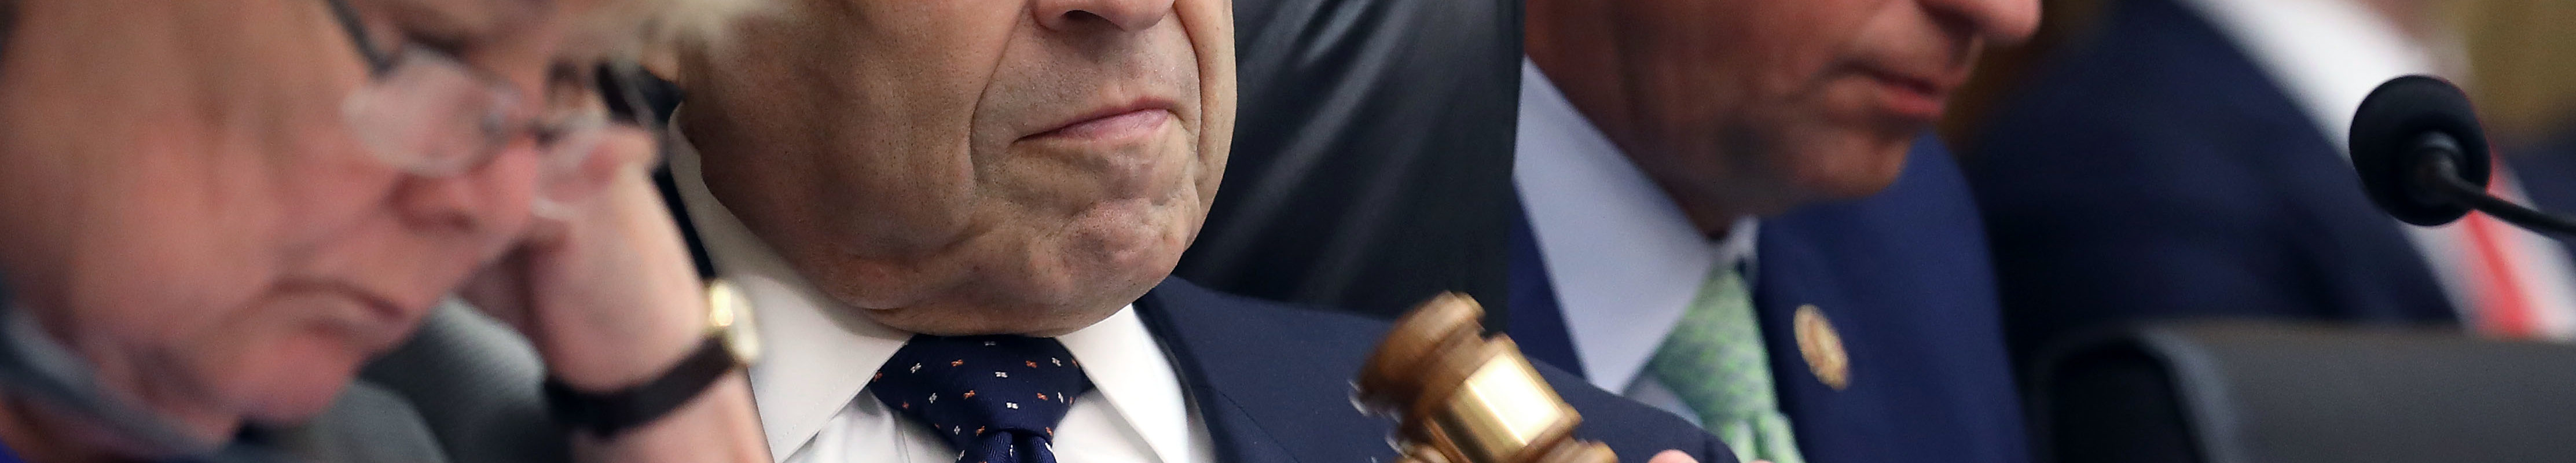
(1462, 398)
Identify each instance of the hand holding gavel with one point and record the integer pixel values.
(1462, 398)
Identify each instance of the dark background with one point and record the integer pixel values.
(1372, 155)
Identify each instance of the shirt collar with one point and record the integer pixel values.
(817, 357)
(1623, 259)
(1131, 372)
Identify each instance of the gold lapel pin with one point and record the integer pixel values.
(1823, 347)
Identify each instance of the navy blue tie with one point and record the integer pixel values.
(996, 399)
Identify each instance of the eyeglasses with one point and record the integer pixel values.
(428, 114)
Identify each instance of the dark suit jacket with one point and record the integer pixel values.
(2155, 172)
(2547, 172)
(1273, 383)
(1902, 275)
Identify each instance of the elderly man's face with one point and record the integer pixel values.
(989, 166)
(192, 214)
(1771, 103)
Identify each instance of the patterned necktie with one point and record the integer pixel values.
(996, 399)
(1714, 362)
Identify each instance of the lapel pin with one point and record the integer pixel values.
(1822, 347)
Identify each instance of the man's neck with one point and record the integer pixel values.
(1572, 43)
(1712, 220)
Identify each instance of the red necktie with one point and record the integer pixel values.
(2503, 308)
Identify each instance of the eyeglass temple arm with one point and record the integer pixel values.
(377, 62)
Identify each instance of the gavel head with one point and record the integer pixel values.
(1461, 398)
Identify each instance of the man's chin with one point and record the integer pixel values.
(299, 397)
(967, 321)
(1071, 299)
(1854, 167)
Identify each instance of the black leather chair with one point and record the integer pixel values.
(1372, 154)
(2248, 392)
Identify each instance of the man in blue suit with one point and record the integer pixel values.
(913, 196)
(1707, 230)
(2188, 161)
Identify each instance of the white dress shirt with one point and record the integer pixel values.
(818, 355)
(2329, 54)
(1623, 259)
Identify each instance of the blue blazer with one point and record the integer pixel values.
(1903, 277)
(2156, 172)
(1273, 383)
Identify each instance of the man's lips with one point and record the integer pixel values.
(1113, 122)
(377, 321)
(1915, 95)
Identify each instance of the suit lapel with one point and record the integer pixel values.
(1536, 321)
(1264, 390)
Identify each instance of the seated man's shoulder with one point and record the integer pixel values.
(1307, 355)
(1634, 430)
(1217, 325)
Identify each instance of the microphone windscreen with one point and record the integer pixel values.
(2390, 133)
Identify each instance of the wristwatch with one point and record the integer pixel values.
(730, 343)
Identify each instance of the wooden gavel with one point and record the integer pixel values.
(1459, 397)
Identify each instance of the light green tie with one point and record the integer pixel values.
(1714, 362)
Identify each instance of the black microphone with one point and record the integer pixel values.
(2423, 158)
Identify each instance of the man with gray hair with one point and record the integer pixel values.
(219, 210)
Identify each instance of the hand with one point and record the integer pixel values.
(605, 290)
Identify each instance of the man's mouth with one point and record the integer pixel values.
(1112, 123)
(1913, 95)
(370, 320)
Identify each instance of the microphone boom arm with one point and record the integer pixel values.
(2442, 173)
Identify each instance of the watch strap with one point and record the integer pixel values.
(607, 415)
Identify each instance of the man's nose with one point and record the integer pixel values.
(482, 201)
(1998, 21)
(1125, 15)
(444, 205)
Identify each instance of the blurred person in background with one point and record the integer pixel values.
(914, 195)
(218, 210)
(2188, 161)
(1735, 213)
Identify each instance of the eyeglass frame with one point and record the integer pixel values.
(617, 86)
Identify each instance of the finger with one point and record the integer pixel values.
(1673, 456)
(613, 154)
